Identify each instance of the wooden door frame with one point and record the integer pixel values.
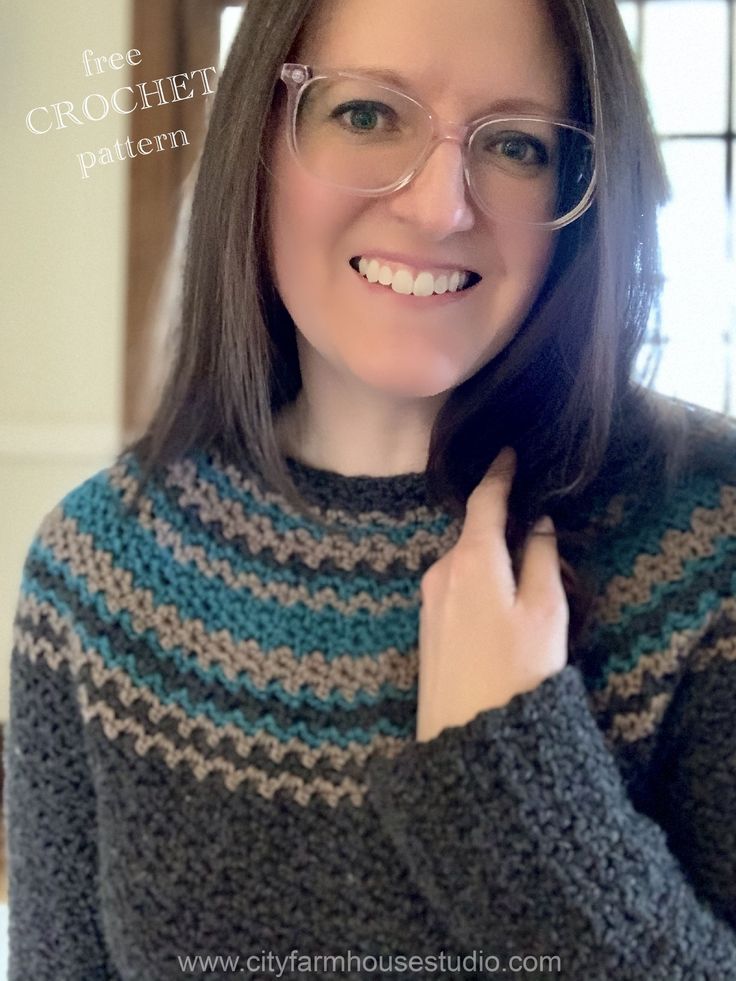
(173, 36)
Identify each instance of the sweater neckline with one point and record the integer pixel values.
(355, 494)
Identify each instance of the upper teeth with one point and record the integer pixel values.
(403, 280)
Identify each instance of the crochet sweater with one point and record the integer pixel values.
(212, 768)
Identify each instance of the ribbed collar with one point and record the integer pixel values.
(393, 495)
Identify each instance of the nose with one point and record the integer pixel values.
(437, 198)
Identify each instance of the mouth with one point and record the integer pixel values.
(440, 286)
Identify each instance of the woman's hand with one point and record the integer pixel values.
(482, 639)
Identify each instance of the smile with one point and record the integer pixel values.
(423, 285)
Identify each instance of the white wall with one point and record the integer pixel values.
(63, 258)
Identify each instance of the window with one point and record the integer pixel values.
(686, 51)
(229, 23)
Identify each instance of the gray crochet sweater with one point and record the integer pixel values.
(212, 770)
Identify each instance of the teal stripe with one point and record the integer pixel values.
(668, 592)
(185, 660)
(221, 607)
(156, 684)
(673, 622)
(103, 522)
(627, 544)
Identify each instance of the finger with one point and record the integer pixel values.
(487, 506)
(540, 578)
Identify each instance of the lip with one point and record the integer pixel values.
(415, 261)
(411, 301)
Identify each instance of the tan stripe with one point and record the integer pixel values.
(244, 483)
(724, 649)
(376, 550)
(676, 547)
(348, 674)
(629, 726)
(665, 663)
(261, 782)
(70, 651)
(681, 654)
(128, 693)
(286, 594)
(26, 642)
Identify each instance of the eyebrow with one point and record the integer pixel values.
(500, 105)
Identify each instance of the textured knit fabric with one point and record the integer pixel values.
(212, 749)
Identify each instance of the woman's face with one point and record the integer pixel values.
(461, 59)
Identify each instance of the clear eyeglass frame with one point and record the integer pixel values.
(297, 77)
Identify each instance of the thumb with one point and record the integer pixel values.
(540, 577)
(486, 507)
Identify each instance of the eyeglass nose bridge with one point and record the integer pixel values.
(443, 131)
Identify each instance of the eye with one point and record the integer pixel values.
(363, 115)
(519, 148)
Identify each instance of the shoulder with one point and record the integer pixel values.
(95, 538)
(662, 557)
(663, 537)
(97, 504)
(70, 560)
(707, 438)
(667, 457)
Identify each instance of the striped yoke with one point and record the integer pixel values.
(211, 748)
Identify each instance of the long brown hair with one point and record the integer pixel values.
(562, 389)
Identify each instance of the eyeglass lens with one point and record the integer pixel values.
(360, 135)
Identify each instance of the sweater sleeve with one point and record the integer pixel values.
(54, 917)
(518, 830)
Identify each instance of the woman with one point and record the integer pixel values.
(292, 682)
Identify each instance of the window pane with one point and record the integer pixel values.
(698, 294)
(685, 47)
(229, 23)
(630, 17)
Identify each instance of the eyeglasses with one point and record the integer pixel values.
(355, 133)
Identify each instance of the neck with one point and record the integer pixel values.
(349, 449)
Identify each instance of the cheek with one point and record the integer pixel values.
(527, 255)
(309, 228)
(304, 226)
(301, 227)
(530, 250)
(524, 257)
(290, 214)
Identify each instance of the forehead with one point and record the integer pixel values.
(464, 50)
